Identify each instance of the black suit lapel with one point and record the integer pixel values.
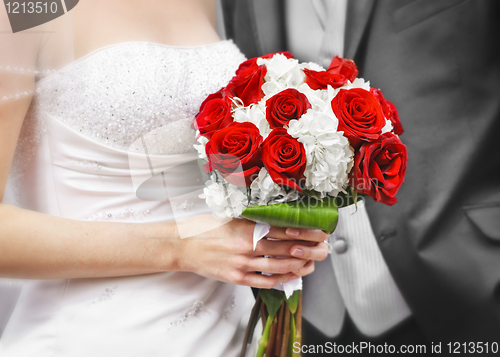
(358, 15)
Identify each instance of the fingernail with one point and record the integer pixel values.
(293, 232)
(297, 252)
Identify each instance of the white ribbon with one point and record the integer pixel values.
(259, 232)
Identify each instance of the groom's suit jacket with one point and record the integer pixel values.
(439, 62)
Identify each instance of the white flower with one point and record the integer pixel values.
(263, 188)
(388, 127)
(265, 191)
(271, 87)
(201, 146)
(255, 114)
(226, 200)
(312, 66)
(332, 92)
(237, 103)
(329, 155)
(281, 73)
(317, 98)
(358, 83)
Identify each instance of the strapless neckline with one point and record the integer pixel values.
(120, 92)
(127, 43)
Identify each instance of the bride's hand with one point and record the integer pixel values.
(226, 253)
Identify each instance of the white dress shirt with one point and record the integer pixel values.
(362, 282)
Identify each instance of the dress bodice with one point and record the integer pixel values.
(120, 92)
(109, 137)
(88, 119)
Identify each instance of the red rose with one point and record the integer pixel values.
(252, 62)
(343, 66)
(320, 80)
(284, 158)
(235, 152)
(389, 110)
(379, 168)
(285, 106)
(247, 84)
(215, 114)
(360, 115)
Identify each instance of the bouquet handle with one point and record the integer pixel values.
(282, 328)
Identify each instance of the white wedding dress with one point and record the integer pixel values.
(98, 132)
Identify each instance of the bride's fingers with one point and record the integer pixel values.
(280, 248)
(266, 281)
(312, 235)
(277, 233)
(307, 269)
(317, 252)
(275, 265)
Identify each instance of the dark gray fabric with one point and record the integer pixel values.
(439, 62)
(485, 218)
(406, 333)
(240, 18)
(441, 67)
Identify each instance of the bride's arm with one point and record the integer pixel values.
(38, 246)
(34, 245)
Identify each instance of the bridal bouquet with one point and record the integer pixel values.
(287, 143)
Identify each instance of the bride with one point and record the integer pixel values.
(95, 110)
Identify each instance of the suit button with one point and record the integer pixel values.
(340, 246)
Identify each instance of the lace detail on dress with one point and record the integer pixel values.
(162, 85)
(230, 308)
(95, 165)
(185, 205)
(122, 215)
(106, 295)
(195, 310)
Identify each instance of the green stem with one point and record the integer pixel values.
(264, 340)
(293, 332)
(298, 324)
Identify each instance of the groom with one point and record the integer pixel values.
(428, 268)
